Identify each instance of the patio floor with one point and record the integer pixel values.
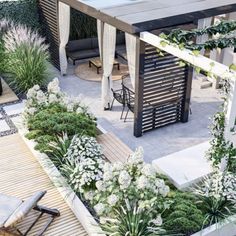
(157, 143)
(21, 176)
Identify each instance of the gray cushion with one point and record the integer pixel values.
(24, 208)
(8, 205)
(83, 54)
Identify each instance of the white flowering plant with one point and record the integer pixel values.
(52, 113)
(217, 196)
(83, 164)
(37, 100)
(134, 181)
(130, 220)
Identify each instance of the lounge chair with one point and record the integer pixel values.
(14, 210)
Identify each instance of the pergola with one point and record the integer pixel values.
(151, 75)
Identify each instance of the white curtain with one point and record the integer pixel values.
(131, 49)
(108, 55)
(64, 30)
(100, 27)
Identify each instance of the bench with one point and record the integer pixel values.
(113, 148)
(88, 48)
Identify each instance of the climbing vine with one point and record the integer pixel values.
(186, 38)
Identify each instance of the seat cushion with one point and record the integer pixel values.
(8, 205)
(83, 54)
(24, 208)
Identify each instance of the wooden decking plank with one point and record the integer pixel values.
(21, 176)
(113, 148)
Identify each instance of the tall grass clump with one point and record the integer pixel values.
(4, 26)
(27, 58)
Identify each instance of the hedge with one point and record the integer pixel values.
(82, 26)
(20, 11)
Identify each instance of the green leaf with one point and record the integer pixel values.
(198, 70)
(182, 64)
(196, 52)
(212, 64)
(232, 67)
(163, 43)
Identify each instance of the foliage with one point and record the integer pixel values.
(217, 197)
(58, 149)
(52, 113)
(131, 221)
(82, 26)
(186, 38)
(134, 181)
(4, 27)
(20, 11)
(27, 58)
(56, 120)
(83, 164)
(3, 58)
(183, 216)
(220, 148)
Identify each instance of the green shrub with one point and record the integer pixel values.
(27, 58)
(55, 120)
(183, 217)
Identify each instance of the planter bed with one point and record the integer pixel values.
(74, 202)
(81, 211)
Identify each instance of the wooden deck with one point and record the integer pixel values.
(7, 95)
(113, 148)
(21, 176)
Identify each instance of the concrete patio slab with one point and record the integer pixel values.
(185, 167)
(157, 143)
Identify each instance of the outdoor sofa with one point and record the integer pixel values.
(88, 48)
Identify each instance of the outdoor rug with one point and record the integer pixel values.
(83, 71)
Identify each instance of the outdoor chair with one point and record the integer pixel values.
(129, 100)
(119, 96)
(13, 210)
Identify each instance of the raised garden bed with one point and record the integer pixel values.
(80, 210)
(73, 201)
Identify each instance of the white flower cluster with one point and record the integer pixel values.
(219, 185)
(84, 165)
(37, 99)
(133, 181)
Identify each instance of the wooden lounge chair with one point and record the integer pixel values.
(14, 210)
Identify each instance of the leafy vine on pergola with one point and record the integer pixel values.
(186, 38)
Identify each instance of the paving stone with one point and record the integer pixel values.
(14, 109)
(4, 126)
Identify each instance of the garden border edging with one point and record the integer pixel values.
(69, 196)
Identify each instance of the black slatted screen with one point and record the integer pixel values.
(164, 87)
(48, 10)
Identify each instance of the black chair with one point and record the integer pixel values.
(119, 96)
(129, 100)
